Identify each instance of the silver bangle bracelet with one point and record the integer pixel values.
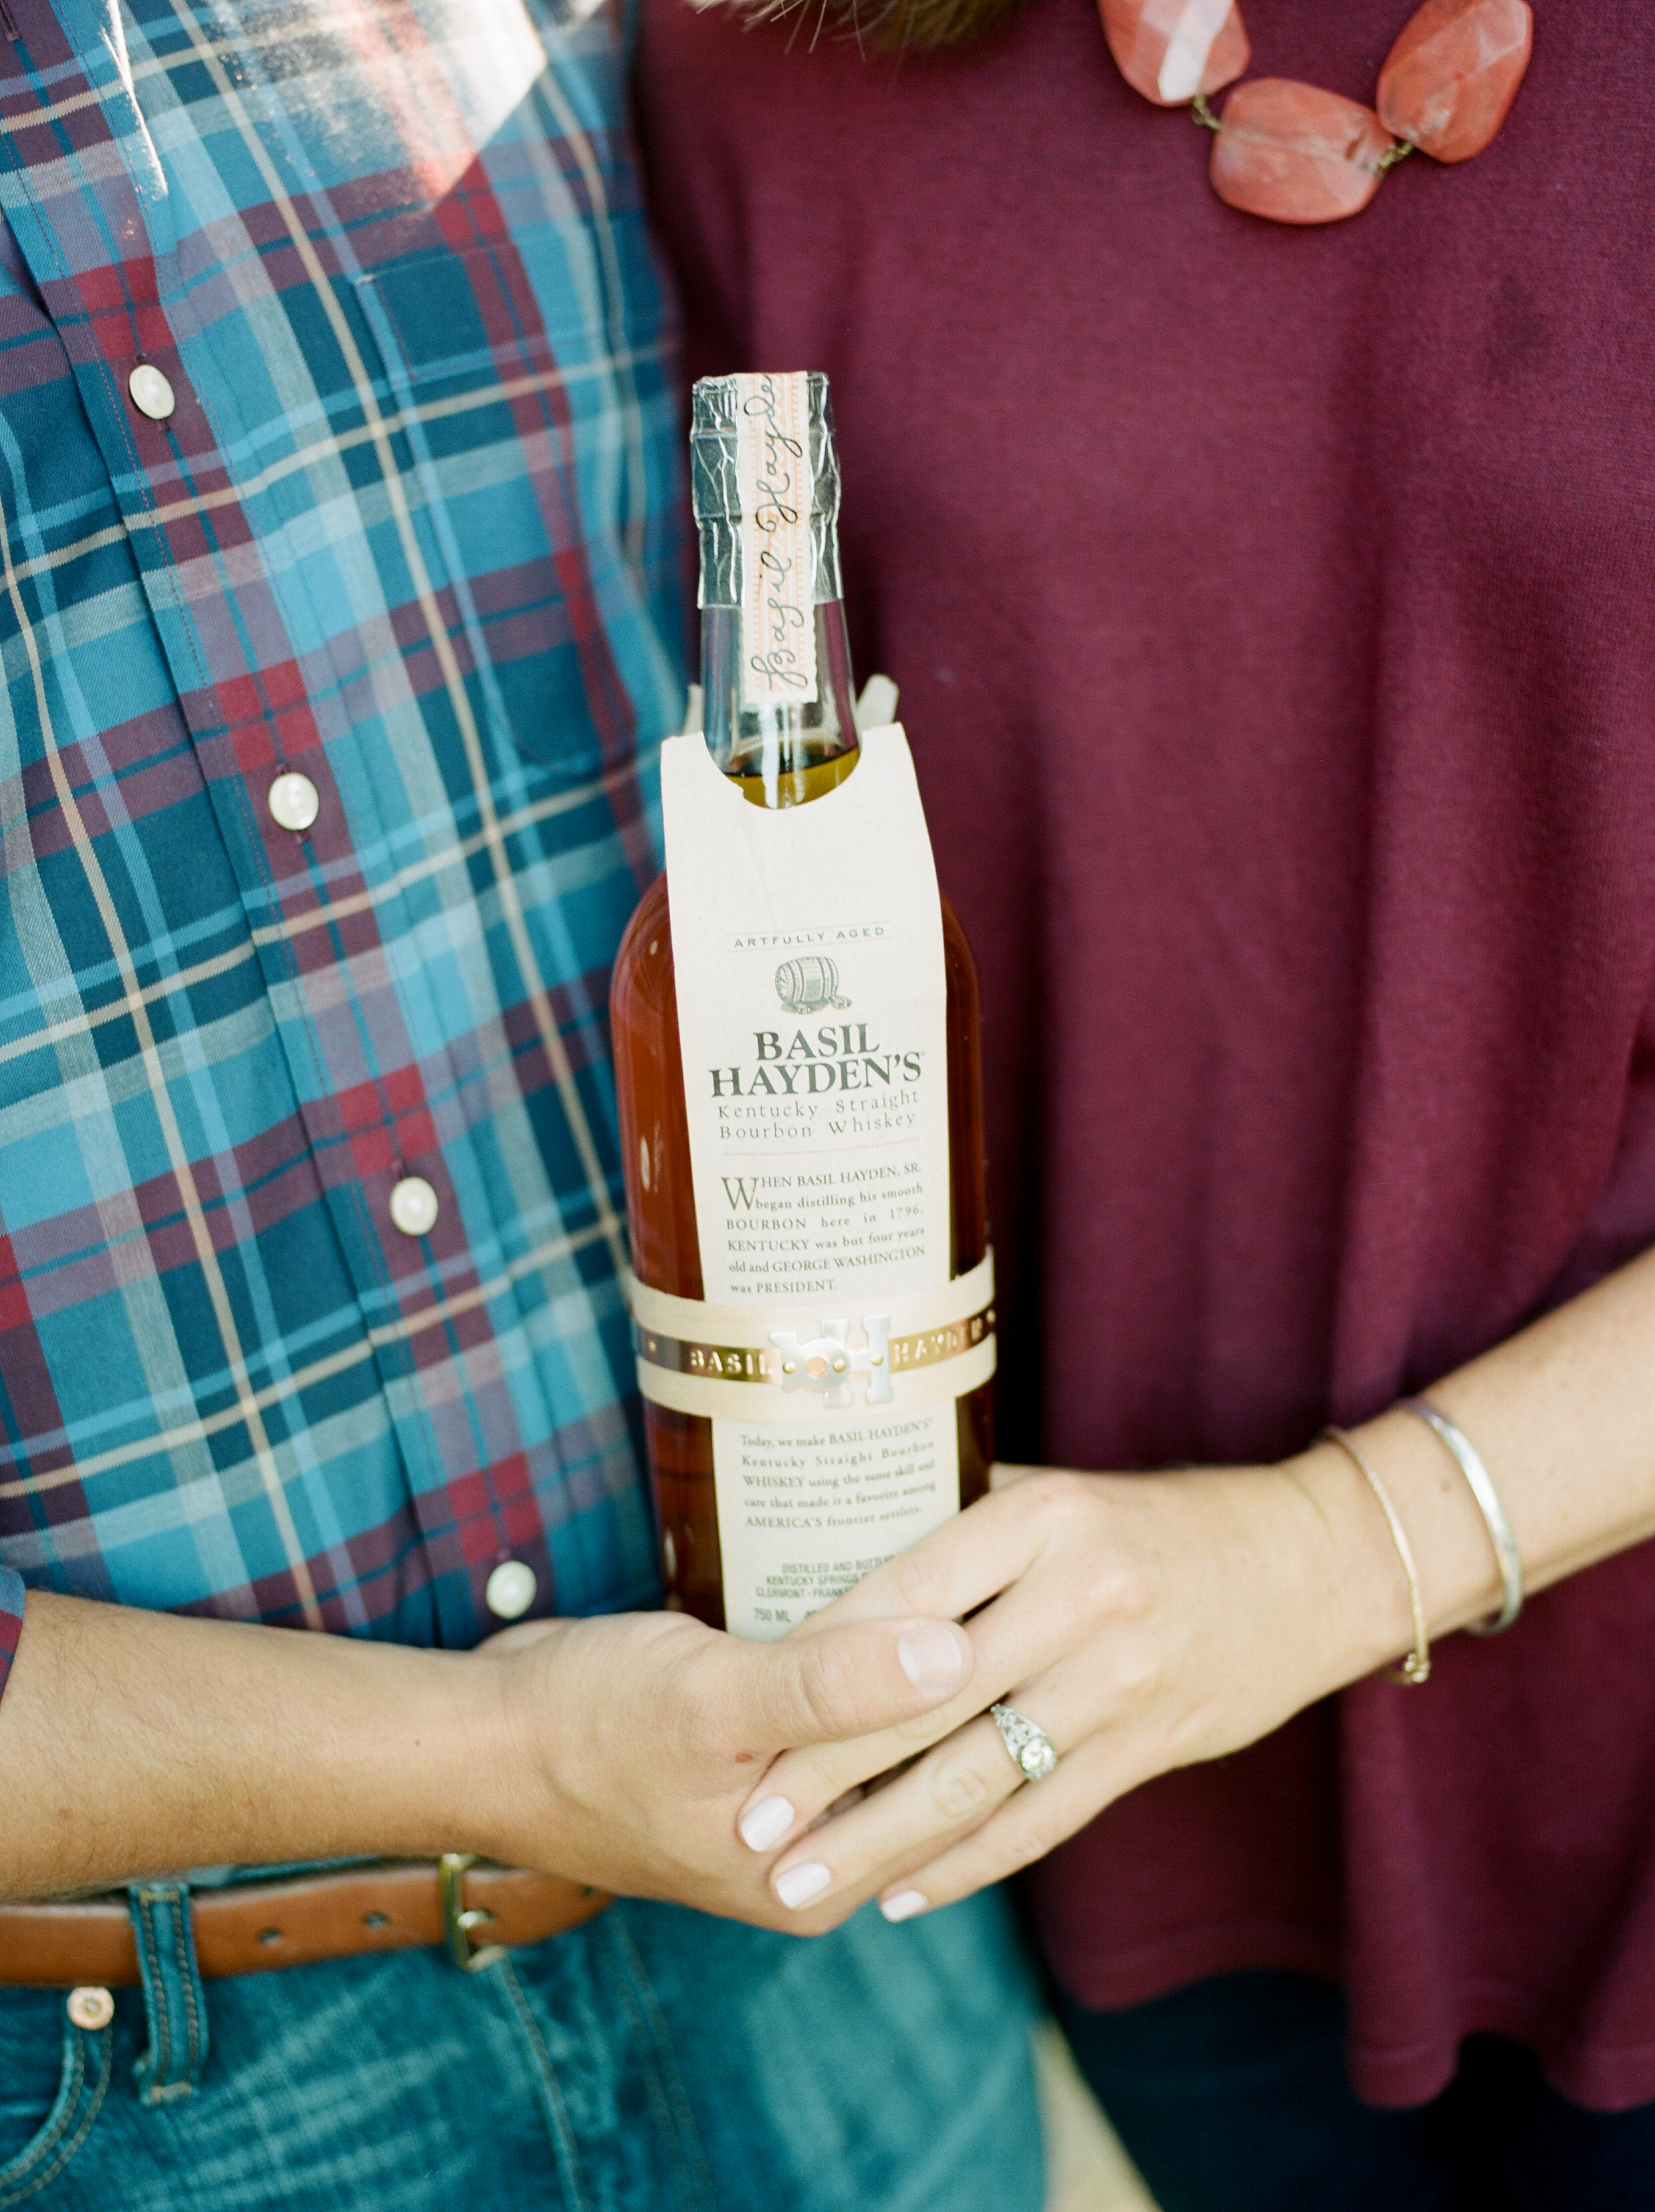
(1508, 1558)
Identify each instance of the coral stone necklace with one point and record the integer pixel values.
(1297, 153)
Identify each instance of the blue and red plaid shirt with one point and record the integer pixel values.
(411, 530)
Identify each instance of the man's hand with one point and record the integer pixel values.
(637, 1740)
(618, 1750)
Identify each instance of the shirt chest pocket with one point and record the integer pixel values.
(510, 427)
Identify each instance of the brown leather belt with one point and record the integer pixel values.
(477, 1909)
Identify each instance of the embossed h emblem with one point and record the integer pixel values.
(830, 1363)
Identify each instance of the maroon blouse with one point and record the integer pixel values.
(1273, 615)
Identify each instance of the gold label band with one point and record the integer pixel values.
(735, 1363)
(799, 1365)
(725, 1398)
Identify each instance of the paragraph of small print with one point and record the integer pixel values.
(804, 1514)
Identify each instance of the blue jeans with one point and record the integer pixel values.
(652, 2061)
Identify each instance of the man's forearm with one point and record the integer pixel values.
(617, 1751)
(134, 1743)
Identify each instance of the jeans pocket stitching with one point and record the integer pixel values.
(183, 1954)
(160, 2025)
(666, 2082)
(561, 2132)
(44, 2158)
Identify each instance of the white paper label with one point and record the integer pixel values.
(804, 1513)
(812, 998)
(776, 486)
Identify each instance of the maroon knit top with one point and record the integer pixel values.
(1273, 612)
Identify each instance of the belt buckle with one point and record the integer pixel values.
(458, 1919)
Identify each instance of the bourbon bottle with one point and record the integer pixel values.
(795, 1018)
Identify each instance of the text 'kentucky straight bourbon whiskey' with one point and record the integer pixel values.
(796, 1043)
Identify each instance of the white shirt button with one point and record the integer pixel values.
(414, 1207)
(293, 800)
(510, 1590)
(152, 394)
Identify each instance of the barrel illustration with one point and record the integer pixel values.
(806, 985)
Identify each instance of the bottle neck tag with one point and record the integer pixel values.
(807, 945)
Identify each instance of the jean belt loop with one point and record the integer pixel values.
(173, 2004)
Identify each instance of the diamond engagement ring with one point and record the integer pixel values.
(1031, 1750)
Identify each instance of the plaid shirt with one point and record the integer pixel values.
(411, 531)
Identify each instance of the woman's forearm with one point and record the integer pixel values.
(1564, 1419)
(1150, 1621)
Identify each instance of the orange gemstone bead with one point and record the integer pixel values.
(1450, 79)
(1296, 154)
(1170, 50)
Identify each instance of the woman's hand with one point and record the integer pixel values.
(1143, 1621)
(1148, 1621)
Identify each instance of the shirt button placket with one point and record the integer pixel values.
(151, 392)
(510, 1589)
(293, 800)
(414, 1205)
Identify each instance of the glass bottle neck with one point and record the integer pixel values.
(780, 756)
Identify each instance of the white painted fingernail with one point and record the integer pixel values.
(801, 1883)
(764, 1825)
(904, 1905)
(931, 1657)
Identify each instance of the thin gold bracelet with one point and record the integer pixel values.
(1415, 1668)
